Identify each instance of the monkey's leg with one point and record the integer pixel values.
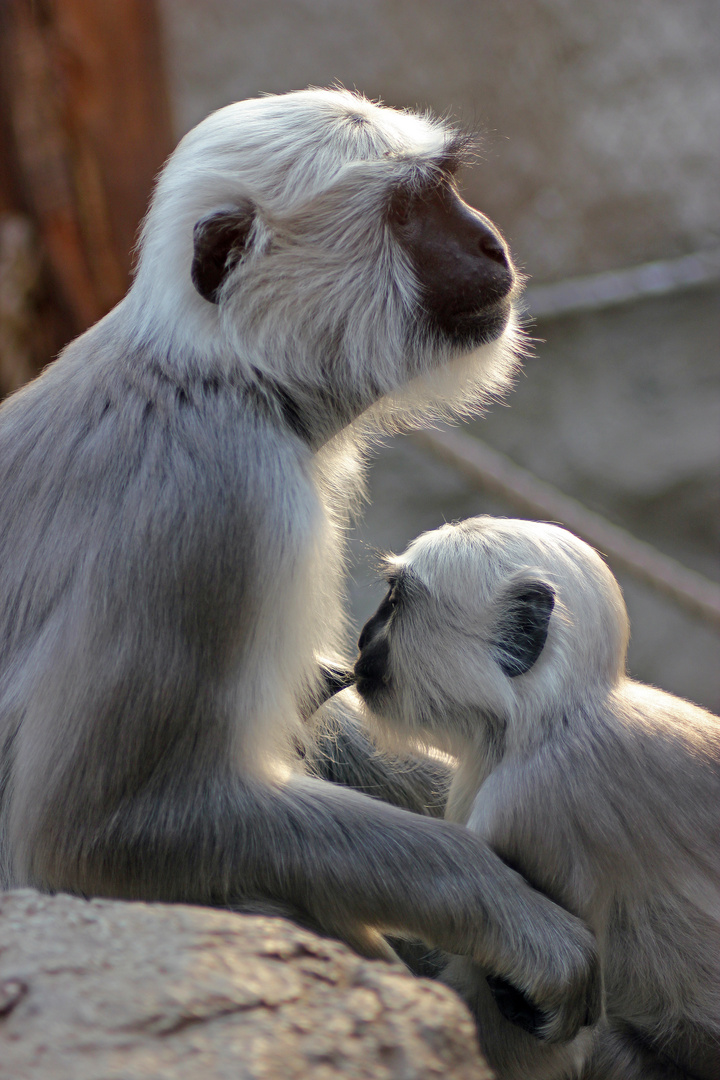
(341, 750)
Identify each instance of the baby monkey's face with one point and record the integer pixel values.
(453, 631)
(485, 621)
(391, 640)
(399, 672)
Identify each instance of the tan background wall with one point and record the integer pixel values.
(602, 119)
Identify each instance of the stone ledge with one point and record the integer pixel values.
(107, 990)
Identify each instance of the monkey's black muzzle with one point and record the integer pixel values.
(372, 668)
(462, 264)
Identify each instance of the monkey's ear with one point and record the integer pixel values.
(523, 628)
(219, 240)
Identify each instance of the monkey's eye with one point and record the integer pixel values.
(391, 600)
(401, 206)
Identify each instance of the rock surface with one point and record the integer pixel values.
(106, 990)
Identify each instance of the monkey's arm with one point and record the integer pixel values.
(146, 702)
(527, 811)
(350, 863)
(340, 750)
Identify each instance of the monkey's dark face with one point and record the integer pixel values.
(372, 668)
(461, 262)
(400, 655)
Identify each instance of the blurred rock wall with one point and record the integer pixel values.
(601, 120)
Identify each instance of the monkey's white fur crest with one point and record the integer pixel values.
(318, 166)
(603, 792)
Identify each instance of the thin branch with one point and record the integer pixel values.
(494, 472)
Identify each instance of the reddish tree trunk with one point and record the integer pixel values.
(86, 126)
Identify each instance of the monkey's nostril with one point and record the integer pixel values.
(493, 249)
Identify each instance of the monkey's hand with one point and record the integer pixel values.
(564, 992)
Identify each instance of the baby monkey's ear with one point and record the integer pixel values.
(522, 629)
(219, 242)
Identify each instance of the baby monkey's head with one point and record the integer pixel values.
(489, 623)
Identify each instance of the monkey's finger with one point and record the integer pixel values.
(517, 1007)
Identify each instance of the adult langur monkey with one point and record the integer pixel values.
(173, 494)
(504, 642)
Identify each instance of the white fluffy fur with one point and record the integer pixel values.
(318, 166)
(603, 792)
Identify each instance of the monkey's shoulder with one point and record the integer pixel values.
(657, 714)
(572, 803)
(125, 469)
(113, 426)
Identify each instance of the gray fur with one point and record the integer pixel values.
(174, 491)
(342, 752)
(602, 792)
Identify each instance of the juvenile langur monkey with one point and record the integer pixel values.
(504, 643)
(173, 495)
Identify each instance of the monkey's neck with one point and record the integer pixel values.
(473, 769)
(315, 414)
(315, 397)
